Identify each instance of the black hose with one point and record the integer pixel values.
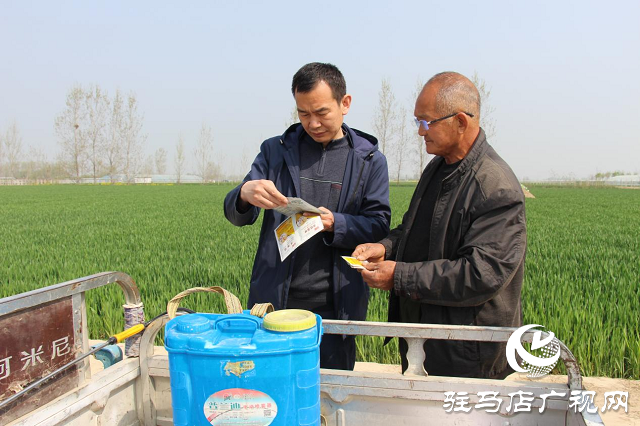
(185, 310)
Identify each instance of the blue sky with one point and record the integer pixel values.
(564, 75)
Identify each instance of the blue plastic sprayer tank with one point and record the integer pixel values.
(238, 369)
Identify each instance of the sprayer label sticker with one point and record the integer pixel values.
(240, 407)
(238, 368)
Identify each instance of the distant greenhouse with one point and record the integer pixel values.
(633, 180)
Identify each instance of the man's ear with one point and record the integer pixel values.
(345, 104)
(463, 122)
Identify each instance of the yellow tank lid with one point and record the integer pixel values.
(290, 320)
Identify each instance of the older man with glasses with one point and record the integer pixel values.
(458, 256)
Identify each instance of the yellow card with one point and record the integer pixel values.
(353, 262)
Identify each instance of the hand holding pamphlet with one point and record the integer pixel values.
(296, 228)
(296, 205)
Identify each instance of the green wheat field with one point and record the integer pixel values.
(582, 271)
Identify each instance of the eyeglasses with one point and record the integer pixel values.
(426, 124)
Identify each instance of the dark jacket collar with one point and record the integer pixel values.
(477, 150)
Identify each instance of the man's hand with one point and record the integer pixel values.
(371, 252)
(327, 218)
(261, 193)
(379, 275)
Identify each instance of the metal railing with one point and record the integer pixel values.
(417, 334)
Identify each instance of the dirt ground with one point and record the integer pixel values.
(598, 384)
(527, 193)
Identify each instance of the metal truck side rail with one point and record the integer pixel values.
(69, 288)
(137, 391)
(352, 398)
(417, 334)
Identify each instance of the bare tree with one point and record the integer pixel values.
(402, 141)
(13, 146)
(71, 133)
(133, 139)
(422, 158)
(97, 107)
(487, 120)
(293, 118)
(179, 160)
(385, 114)
(216, 170)
(113, 148)
(35, 165)
(147, 167)
(202, 153)
(161, 161)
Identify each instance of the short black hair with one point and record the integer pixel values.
(311, 74)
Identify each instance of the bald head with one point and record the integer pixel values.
(450, 104)
(455, 93)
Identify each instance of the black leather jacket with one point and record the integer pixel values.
(476, 262)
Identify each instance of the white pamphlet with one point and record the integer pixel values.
(294, 231)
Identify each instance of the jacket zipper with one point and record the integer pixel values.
(355, 190)
(431, 240)
(353, 196)
(321, 163)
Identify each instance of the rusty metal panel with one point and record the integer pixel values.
(33, 343)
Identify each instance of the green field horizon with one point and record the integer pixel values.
(582, 273)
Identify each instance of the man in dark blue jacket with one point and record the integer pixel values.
(337, 169)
